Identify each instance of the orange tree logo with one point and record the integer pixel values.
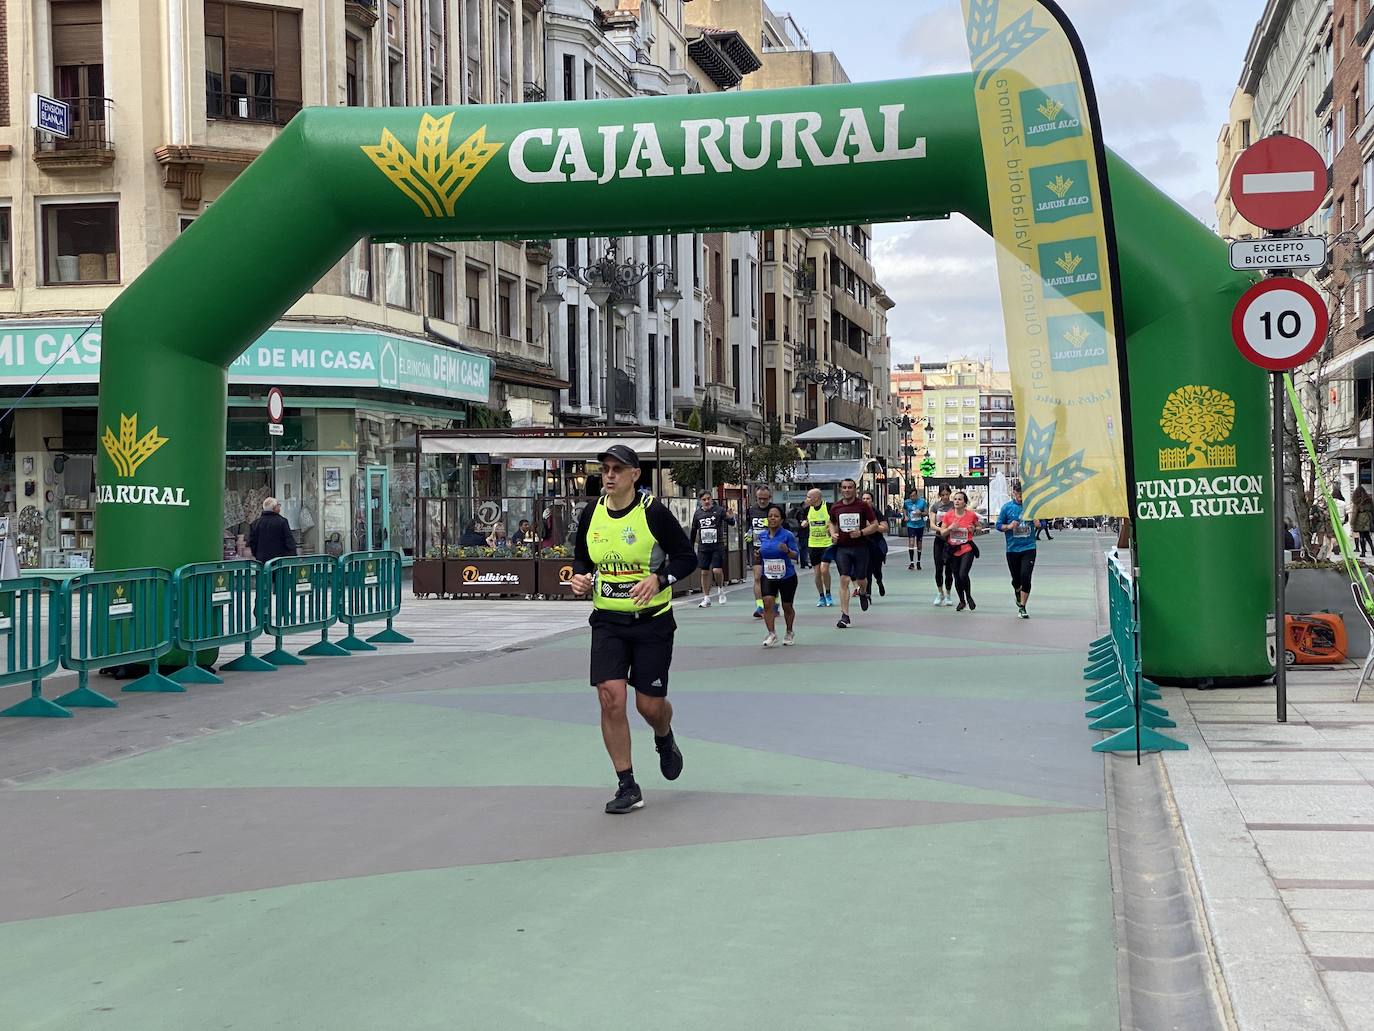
(128, 451)
(433, 177)
(1200, 418)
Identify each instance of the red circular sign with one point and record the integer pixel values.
(1278, 183)
(1280, 323)
(276, 405)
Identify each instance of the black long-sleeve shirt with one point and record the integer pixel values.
(679, 559)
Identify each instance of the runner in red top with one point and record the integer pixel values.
(852, 522)
(958, 528)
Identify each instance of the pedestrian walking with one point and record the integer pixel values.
(270, 535)
(1042, 526)
(816, 525)
(852, 521)
(1021, 538)
(914, 511)
(778, 547)
(628, 554)
(708, 537)
(877, 545)
(1362, 519)
(958, 527)
(939, 549)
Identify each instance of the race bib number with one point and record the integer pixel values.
(708, 535)
(849, 521)
(1023, 529)
(959, 535)
(774, 568)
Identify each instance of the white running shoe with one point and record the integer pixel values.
(789, 640)
(705, 602)
(720, 596)
(948, 601)
(771, 641)
(939, 600)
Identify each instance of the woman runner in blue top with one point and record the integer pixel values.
(777, 547)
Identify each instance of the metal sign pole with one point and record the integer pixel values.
(1280, 544)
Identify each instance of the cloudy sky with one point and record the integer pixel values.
(1165, 71)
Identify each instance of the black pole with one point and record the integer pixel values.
(1280, 622)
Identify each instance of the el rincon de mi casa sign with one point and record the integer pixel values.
(283, 356)
(845, 154)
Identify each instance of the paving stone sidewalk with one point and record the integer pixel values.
(1280, 822)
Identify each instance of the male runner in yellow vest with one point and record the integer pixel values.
(629, 552)
(816, 516)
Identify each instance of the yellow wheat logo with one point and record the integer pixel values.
(1060, 186)
(1069, 262)
(1077, 337)
(1050, 109)
(119, 591)
(129, 450)
(433, 177)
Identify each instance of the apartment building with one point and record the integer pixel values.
(1235, 136)
(824, 351)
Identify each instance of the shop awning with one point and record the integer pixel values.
(826, 471)
(570, 448)
(830, 432)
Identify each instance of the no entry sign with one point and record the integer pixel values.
(1279, 324)
(1278, 182)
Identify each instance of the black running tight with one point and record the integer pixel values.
(944, 567)
(963, 566)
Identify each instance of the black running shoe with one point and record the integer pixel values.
(626, 799)
(863, 601)
(669, 759)
(843, 624)
(911, 565)
(918, 565)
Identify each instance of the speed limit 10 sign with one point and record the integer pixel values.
(1280, 323)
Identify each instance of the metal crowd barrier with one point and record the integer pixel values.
(31, 625)
(113, 618)
(1126, 698)
(136, 616)
(217, 607)
(297, 595)
(369, 588)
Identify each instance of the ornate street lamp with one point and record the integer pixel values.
(611, 285)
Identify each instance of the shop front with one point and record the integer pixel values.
(343, 466)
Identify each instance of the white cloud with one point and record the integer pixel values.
(935, 41)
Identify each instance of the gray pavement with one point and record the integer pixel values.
(1279, 824)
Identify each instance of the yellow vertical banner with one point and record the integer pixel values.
(1054, 257)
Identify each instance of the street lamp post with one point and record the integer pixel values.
(611, 285)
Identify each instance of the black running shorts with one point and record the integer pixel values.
(853, 561)
(915, 532)
(711, 557)
(784, 590)
(637, 650)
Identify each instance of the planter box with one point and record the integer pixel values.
(1318, 590)
(552, 576)
(489, 576)
(427, 577)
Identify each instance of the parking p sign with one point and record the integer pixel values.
(977, 465)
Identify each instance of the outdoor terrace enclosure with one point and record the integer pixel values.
(831, 155)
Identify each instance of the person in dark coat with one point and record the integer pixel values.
(270, 535)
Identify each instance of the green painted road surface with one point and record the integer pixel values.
(900, 825)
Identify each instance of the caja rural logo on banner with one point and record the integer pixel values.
(1201, 418)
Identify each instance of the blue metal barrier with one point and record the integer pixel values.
(217, 607)
(31, 628)
(296, 595)
(113, 618)
(1125, 696)
(369, 588)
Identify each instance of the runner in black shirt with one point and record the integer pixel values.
(708, 536)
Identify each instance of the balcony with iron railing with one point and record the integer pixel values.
(90, 144)
(534, 93)
(363, 12)
(239, 107)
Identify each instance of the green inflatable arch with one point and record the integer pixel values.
(834, 155)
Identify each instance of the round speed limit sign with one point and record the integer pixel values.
(1280, 323)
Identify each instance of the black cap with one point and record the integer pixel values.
(622, 454)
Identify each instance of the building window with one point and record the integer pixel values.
(505, 306)
(698, 352)
(574, 380)
(531, 314)
(252, 63)
(1340, 126)
(183, 223)
(359, 269)
(653, 375)
(80, 243)
(768, 247)
(569, 77)
(439, 285)
(6, 249)
(475, 276)
(78, 67)
(734, 360)
(754, 292)
(395, 78)
(696, 260)
(588, 81)
(734, 286)
(399, 293)
(505, 56)
(718, 361)
(438, 52)
(677, 354)
(970, 436)
(355, 63)
(472, 50)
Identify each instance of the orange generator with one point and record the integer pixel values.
(1317, 638)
